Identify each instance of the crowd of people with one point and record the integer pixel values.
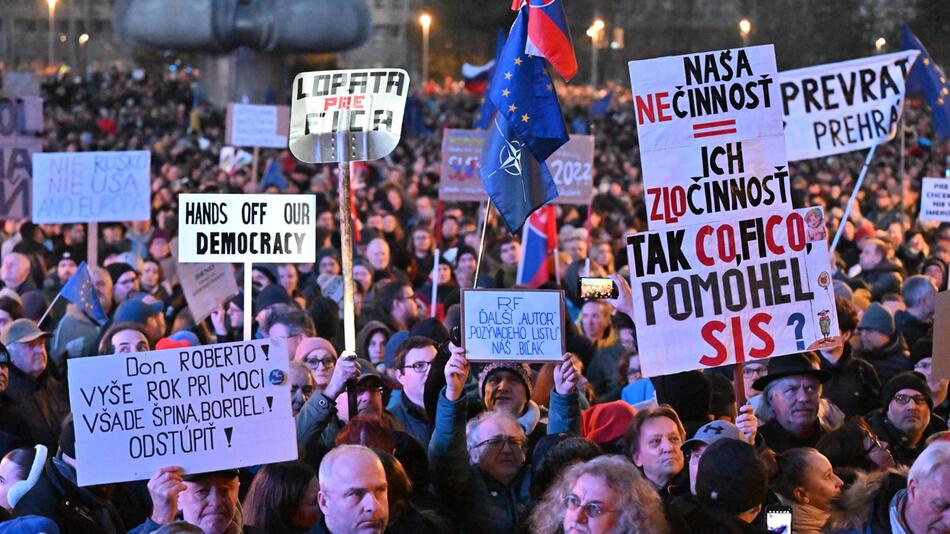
(851, 439)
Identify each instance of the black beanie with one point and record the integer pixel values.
(731, 477)
(118, 269)
(689, 393)
(921, 349)
(906, 380)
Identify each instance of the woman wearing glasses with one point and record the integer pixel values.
(319, 355)
(855, 446)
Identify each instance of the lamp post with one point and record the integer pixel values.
(745, 28)
(879, 44)
(425, 20)
(52, 24)
(594, 32)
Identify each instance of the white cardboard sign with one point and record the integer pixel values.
(257, 125)
(203, 408)
(513, 325)
(206, 286)
(935, 200)
(846, 106)
(79, 187)
(220, 228)
(733, 291)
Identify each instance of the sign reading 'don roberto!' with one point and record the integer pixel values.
(242, 228)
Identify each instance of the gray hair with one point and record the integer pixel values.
(471, 428)
(917, 288)
(935, 456)
(327, 464)
(639, 510)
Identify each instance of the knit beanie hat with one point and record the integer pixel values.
(876, 317)
(607, 421)
(309, 344)
(921, 349)
(689, 393)
(731, 477)
(521, 370)
(906, 380)
(118, 269)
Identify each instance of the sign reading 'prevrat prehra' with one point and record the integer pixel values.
(78, 187)
(241, 228)
(711, 138)
(513, 325)
(202, 408)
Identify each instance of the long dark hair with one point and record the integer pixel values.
(275, 495)
(845, 447)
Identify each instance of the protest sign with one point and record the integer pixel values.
(14, 83)
(206, 286)
(571, 166)
(710, 132)
(221, 228)
(935, 200)
(940, 363)
(21, 118)
(91, 187)
(733, 291)
(513, 325)
(256, 125)
(231, 159)
(841, 107)
(202, 408)
(365, 106)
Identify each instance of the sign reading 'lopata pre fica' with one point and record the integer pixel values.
(242, 228)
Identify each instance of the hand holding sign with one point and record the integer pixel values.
(747, 423)
(456, 373)
(164, 487)
(346, 369)
(566, 375)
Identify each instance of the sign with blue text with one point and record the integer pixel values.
(519, 325)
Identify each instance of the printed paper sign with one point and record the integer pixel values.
(571, 166)
(513, 325)
(935, 200)
(841, 107)
(203, 408)
(221, 228)
(20, 121)
(366, 104)
(206, 286)
(711, 141)
(733, 291)
(73, 187)
(257, 126)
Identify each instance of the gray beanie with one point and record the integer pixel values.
(876, 317)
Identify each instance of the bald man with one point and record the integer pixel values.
(15, 273)
(353, 491)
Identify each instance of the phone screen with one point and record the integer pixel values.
(779, 519)
(596, 288)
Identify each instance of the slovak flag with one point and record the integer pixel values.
(549, 35)
(538, 241)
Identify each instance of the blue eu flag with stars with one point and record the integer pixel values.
(928, 78)
(80, 291)
(526, 129)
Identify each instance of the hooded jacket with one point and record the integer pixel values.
(864, 506)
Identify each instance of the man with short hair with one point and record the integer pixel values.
(509, 250)
(77, 334)
(291, 323)
(15, 273)
(41, 399)
(125, 281)
(397, 302)
(412, 363)
(913, 323)
(854, 386)
(654, 444)
(791, 393)
(353, 492)
(378, 254)
(878, 273)
(880, 344)
(905, 420)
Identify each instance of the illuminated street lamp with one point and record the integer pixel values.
(83, 39)
(52, 23)
(745, 28)
(425, 20)
(880, 43)
(594, 32)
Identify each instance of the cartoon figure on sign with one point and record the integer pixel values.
(815, 226)
(824, 324)
(824, 279)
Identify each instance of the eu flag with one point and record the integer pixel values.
(79, 291)
(486, 111)
(527, 128)
(928, 78)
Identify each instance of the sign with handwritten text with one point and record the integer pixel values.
(520, 325)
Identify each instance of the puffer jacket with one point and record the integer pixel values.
(864, 506)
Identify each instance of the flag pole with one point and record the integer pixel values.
(481, 244)
(50, 308)
(435, 283)
(847, 209)
(557, 267)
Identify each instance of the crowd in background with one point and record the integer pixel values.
(851, 439)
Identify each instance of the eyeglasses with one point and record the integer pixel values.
(755, 371)
(591, 509)
(923, 366)
(326, 363)
(419, 367)
(499, 442)
(902, 399)
(875, 444)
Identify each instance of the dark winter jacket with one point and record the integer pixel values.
(885, 278)
(903, 451)
(910, 327)
(864, 506)
(888, 360)
(413, 419)
(854, 386)
(43, 402)
(689, 515)
(780, 440)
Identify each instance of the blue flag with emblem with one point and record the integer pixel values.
(80, 291)
(526, 129)
(928, 78)
(486, 111)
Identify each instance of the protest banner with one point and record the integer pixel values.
(846, 106)
(519, 325)
(571, 166)
(251, 125)
(728, 292)
(710, 133)
(940, 362)
(21, 118)
(70, 187)
(202, 408)
(935, 200)
(206, 286)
